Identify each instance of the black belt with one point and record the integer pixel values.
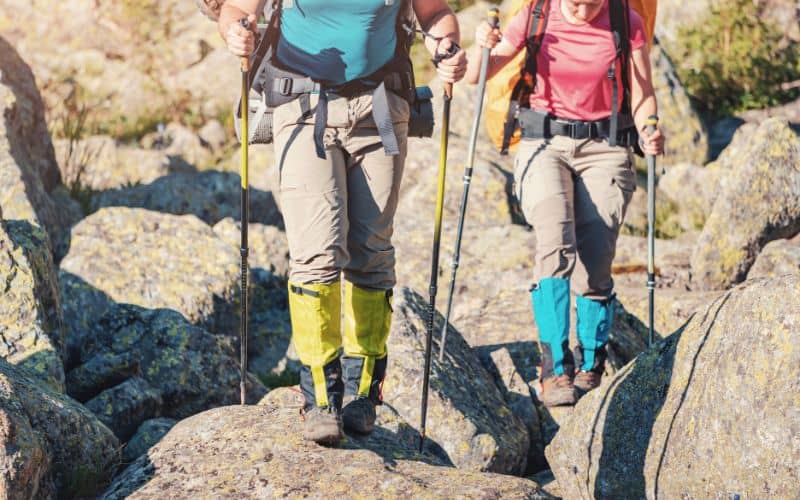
(537, 125)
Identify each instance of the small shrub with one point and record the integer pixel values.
(735, 60)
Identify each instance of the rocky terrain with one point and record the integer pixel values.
(119, 314)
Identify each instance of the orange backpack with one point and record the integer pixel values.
(500, 87)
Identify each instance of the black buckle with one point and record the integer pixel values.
(285, 86)
(574, 130)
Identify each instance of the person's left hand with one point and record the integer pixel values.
(453, 68)
(652, 144)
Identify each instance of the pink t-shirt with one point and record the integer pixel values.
(573, 62)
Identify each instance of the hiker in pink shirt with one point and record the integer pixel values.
(583, 106)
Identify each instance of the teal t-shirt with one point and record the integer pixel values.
(336, 41)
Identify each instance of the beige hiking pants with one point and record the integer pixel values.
(574, 193)
(338, 211)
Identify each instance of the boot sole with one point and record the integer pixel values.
(583, 390)
(559, 398)
(353, 425)
(329, 434)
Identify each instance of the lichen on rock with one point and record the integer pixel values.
(761, 203)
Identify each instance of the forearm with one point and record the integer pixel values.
(473, 64)
(441, 23)
(643, 99)
(499, 56)
(646, 107)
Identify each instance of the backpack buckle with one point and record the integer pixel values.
(285, 86)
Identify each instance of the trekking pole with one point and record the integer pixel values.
(437, 235)
(652, 123)
(494, 20)
(245, 216)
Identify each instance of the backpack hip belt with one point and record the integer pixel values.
(538, 125)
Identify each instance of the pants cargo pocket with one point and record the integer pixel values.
(625, 182)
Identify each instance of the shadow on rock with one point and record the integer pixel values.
(210, 195)
(129, 364)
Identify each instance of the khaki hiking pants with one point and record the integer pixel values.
(339, 210)
(574, 192)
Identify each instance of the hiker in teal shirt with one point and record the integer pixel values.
(338, 205)
(351, 39)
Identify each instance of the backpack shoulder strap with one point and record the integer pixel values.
(537, 23)
(619, 13)
(406, 23)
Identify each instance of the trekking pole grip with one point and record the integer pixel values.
(245, 61)
(494, 17)
(652, 123)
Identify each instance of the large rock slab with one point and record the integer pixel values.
(672, 307)
(467, 415)
(31, 323)
(211, 196)
(124, 407)
(776, 259)
(52, 446)
(147, 435)
(184, 368)
(28, 169)
(761, 203)
(688, 186)
(153, 260)
(710, 411)
(100, 163)
(180, 142)
(269, 248)
(259, 452)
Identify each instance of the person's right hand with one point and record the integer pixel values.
(487, 36)
(241, 41)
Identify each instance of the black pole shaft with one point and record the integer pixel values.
(494, 20)
(437, 236)
(652, 121)
(245, 217)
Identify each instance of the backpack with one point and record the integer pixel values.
(508, 90)
(272, 85)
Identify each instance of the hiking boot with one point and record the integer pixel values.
(363, 379)
(323, 425)
(558, 391)
(594, 324)
(585, 381)
(367, 321)
(359, 415)
(551, 310)
(322, 389)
